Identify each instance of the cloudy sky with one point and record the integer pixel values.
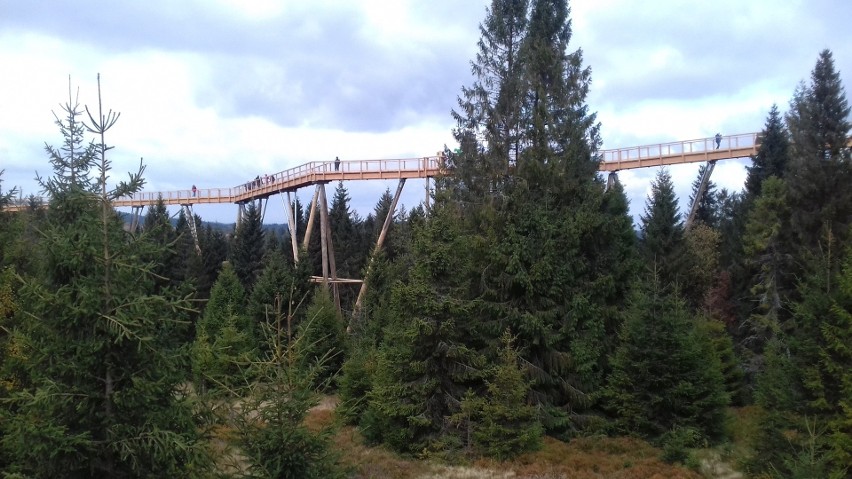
(214, 92)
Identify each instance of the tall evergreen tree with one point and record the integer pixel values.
(225, 336)
(72, 161)
(820, 348)
(677, 382)
(425, 364)
(246, 253)
(767, 245)
(707, 203)
(548, 244)
(214, 252)
(818, 122)
(103, 359)
(489, 115)
(280, 284)
(322, 338)
(661, 229)
(270, 428)
(158, 227)
(772, 155)
(500, 422)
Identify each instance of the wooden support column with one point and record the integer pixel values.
(190, 218)
(329, 248)
(263, 205)
(703, 186)
(290, 207)
(611, 179)
(323, 234)
(241, 211)
(379, 242)
(311, 217)
(134, 217)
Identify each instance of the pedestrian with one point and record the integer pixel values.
(336, 163)
(194, 191)
(718, 140)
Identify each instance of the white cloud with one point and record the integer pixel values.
(216, 92)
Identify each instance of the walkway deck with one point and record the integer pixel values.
(689, 151)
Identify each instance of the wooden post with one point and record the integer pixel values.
(335, 288)
(241, 209)
(428, 180)
(290, 218)
(323, 235)
(376, 250)
(311, 218)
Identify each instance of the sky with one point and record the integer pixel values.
(215, 92)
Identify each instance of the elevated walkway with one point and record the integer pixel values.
(678, 152)
(661, 154)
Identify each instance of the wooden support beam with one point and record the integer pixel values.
(379, 242)
(241, 211)
(705, 178)
(323, 234)
(190, 219)
(311, 217)
(291, 214)
(330, 249)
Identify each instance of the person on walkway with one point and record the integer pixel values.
(718, 140)
(336, 163)
(194, 191)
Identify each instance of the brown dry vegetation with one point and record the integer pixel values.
(582, 458)
(586, 458)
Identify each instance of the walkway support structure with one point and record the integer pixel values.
(290, 207)
(135, 216)
(379, 242)
(705, 178)
(611, 179)
(190, 220)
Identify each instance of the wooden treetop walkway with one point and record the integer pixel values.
(689, 151)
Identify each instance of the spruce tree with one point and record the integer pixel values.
(425, 365)
(246, 253)
(676, 383)
(549, 247)
(214, 252)
(767, 245)
(500, 423)
(699, 264)
(270, 429)
(225, 336)
(820, 348)
(322, 339)
(158, 227)
(279, 283)
(103, 360)
(818, 122)
(707, 203)
(661, 238)
(489, 115)
(772, 156)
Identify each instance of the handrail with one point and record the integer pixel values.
(424, 167)
(679, 148)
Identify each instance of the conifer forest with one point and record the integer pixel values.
(518, 315)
